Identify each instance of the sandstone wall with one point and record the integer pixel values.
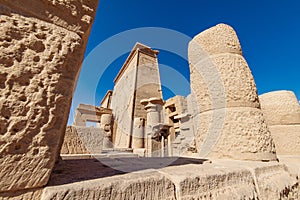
(42, 44)
(82, 140)
(182, 142)
(72, 143)
(230, 122)
(282, 112)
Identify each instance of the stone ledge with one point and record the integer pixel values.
(138, 185)
(222, 179)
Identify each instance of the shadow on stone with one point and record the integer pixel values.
(70, 171)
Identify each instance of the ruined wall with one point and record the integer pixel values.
(82, 140)
(230, 122)
(183, 140)
(72, 143)
(282, 112)
(42, 44)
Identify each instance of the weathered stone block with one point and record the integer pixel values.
(29, 194)
(219, 39)
(72, 143)
(143, 185)
(234, 133)
(211, 182)
(286, 139)
(82, 140)
(39, 65)
(282, 112)
(280, 108)
(272, 179)
(276, 182)
(223, 80)
(73, 15)
(228, 179)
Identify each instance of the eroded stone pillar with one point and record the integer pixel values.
(282, 112)
(153, 107)
(230, 122)
(105, 124)
(42, 44)
(138, 136)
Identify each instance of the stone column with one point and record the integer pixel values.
(105, 124)
(153, 107)
(231, 124)
(163, 146)
(138, 133)
(170, 149)
(282, 112)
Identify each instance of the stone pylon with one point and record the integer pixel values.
(138, 79)
(230, 122)
(282, 112)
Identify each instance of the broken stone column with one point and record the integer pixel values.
(105, 124)
(230, 122)
(153, 106)
(138, 133)
(42, 44)
(282, 112)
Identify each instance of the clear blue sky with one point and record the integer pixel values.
(269, 32)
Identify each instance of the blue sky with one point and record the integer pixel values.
(269, 32)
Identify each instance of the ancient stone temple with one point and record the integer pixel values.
(223, 119)
(141, 121)
(208, 124)
(220, 142)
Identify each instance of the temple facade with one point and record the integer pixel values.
(134, 115)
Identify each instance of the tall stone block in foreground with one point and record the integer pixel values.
(42, 43)
(282, 112)
(230, 122)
